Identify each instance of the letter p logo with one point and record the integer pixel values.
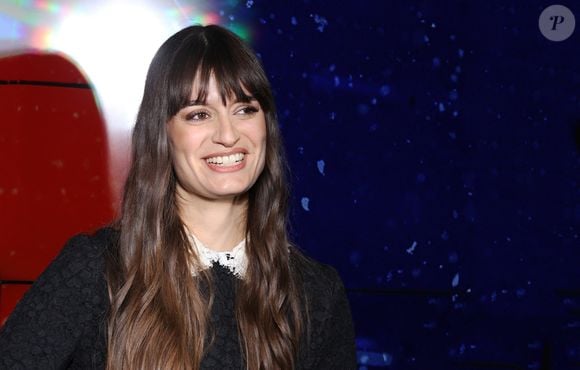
(558, 19)
(557, 23)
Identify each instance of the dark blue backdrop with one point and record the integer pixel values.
(434, 148)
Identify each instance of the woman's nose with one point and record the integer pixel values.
(226, 133)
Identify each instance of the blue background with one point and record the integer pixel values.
(434, 149)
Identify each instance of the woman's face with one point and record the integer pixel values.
(218, 150)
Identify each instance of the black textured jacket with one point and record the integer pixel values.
(60, 322)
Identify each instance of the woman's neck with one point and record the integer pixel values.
(219, 224)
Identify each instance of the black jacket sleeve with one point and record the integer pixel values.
(338, 350)
(47, 324)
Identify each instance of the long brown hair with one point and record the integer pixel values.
(159, 314)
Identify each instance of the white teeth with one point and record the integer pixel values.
(227, 160)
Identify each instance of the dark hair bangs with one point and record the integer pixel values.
(238, 74)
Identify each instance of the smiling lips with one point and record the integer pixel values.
(227, 163)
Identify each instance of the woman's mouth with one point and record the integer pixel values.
(226, 160)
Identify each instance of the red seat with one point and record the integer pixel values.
(54, 178)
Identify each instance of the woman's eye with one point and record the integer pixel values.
(197, 116)
(247, 110)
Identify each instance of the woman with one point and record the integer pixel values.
(198, 272)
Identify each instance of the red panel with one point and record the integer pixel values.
(40, 67)
(53, 164)
(9, 296)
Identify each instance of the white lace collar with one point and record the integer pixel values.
(234, 260)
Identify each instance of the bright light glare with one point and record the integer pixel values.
(113, 44)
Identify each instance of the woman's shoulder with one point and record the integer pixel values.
(319, 280)
(60, 318)
(86, 247)
(310, 267)
(330, 343)
(82, 256)
(80, 262)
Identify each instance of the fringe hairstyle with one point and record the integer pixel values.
(159, 312)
